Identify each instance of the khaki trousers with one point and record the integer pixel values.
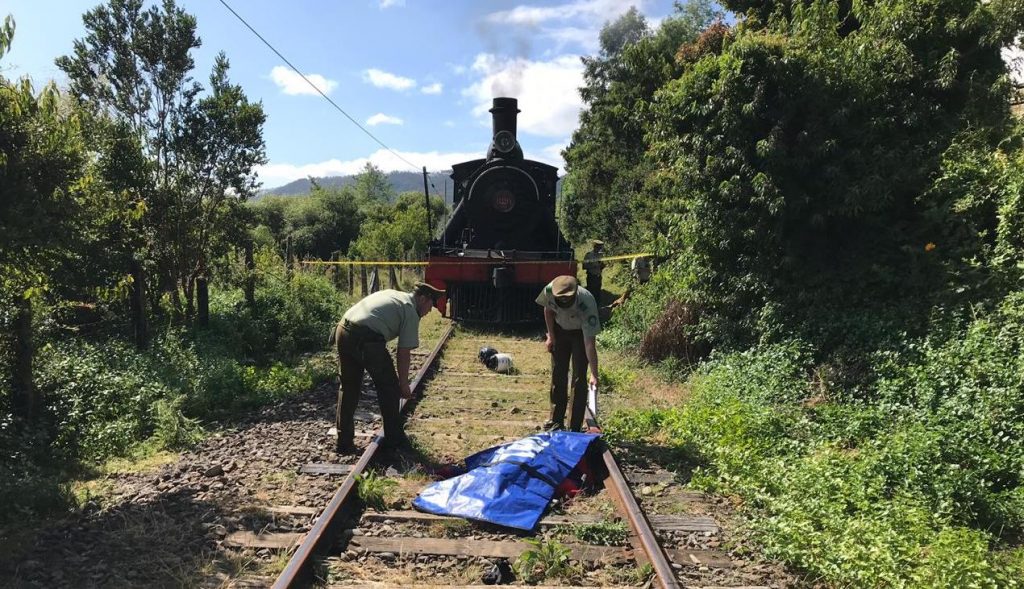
(568, 349)
(362, 350)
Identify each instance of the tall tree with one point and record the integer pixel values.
(801, 158)
(218, 143)
(603, 193)
(134, 66)
(42, 166)
(372, 185)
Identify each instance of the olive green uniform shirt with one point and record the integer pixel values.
(391, 313)
(582, 315)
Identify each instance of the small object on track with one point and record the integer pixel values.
(499, 573)
(486, 353)
(500, 363)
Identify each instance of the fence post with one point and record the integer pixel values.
(139, 324)
(288, 258)
(374, 280)
(250, 276)
(336, 268)
(203, 300)
(363, 281)
(24, 394)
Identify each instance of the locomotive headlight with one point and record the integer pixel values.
(503, 200)
(504, 141)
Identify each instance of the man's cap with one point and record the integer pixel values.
(422, 288)
(564, 287)
(597, 242)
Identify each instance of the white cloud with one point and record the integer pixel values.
(292, 83)
(552, 154)
(577, 22)
(389, 3)
(587, 39)
(548, 91)
(449, 123)
(434, 88)
(592, 10)
(382, 79)
(383, 119)
(273, 175)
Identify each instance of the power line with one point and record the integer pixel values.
(318, 91)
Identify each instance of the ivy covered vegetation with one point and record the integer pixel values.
(835, 191)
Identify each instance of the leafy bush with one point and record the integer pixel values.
(173, 430)
(104, 397)
(101, 395)
(915, 488)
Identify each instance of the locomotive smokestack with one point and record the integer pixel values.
(503, 115)
(504, 143)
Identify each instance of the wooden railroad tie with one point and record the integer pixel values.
(668, 523)
(506, 549)
(639, 478)
(665, 523)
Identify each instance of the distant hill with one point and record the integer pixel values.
(401, 181)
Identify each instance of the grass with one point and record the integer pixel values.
(403, 571)
(545, 559)
(376, 492)
(450, 528)
(603, 533)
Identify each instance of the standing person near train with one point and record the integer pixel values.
(594, 268)
(361, 339)
(570, 314)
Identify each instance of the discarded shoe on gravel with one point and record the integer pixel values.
(499, 573)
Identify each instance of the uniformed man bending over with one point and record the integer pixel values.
(361, 342)
(570, 313)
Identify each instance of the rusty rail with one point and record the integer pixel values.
(298, 572)
(623, 495)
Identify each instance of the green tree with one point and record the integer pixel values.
(324, 223)
(604, 195)
(372, 185)
(133, 66)
(55, 212)
(219, 142)
(391, 231)
(797, 162)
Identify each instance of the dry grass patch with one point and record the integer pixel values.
(403, 571)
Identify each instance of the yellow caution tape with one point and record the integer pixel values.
(465, 261)
(361, 263)
(624, 257)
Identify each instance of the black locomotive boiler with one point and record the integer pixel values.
(502, 243)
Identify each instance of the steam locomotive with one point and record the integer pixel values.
(501, 244)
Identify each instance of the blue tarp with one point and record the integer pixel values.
(509, 485)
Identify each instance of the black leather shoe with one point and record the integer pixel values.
(397, 443)
(553, 426)
(345, 448)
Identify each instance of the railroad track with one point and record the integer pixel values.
(636, 531)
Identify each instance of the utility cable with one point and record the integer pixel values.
(318, 91)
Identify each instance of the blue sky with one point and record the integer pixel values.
(417, 74)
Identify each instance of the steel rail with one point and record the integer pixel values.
(623, 495)
(318, 540)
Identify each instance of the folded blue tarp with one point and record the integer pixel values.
(509, 485)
